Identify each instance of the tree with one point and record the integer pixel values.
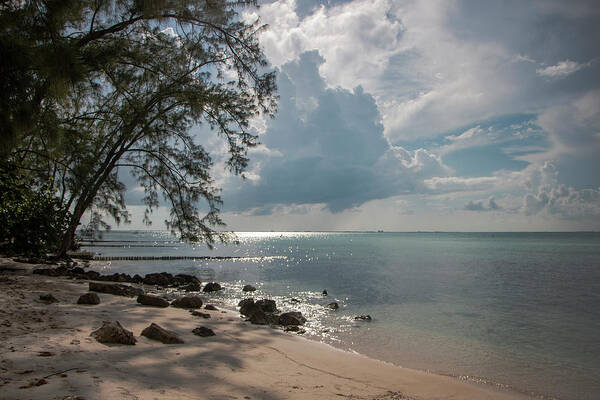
(152, 70)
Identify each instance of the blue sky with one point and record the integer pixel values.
(424, 115)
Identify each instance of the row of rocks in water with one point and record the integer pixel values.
(184, 282)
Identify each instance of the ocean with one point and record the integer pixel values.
(520, 310)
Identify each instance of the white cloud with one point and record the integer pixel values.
(560, 70)
(457, 184)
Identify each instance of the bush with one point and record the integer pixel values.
(31, 218)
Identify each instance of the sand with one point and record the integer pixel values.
(46, 352)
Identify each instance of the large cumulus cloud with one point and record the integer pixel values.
(326, 146)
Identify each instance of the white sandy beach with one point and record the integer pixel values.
(50, 345)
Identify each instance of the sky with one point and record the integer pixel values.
(422, 115)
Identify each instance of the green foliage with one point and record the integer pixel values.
(105, 88)
(31, 219)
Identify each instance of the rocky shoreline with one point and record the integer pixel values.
(61, 340)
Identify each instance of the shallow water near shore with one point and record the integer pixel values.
(520, 309)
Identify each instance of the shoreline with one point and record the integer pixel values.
(241, 361)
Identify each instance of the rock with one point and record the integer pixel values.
(259, 317)
(190, 287)
(137, 279)
(187, 302)
(149, 300)
(210, 307)
(294, 300)
(200, 314)
(244, 302)
(292, 318)
(212, 287)
(92, 275)
(292, 328)
(160, 279)
(89, 298)
(48, 298)
(366, 317)
(325, 292)
(115, 289)
(266, 305)
(248, 288)
(184, 279)
(203, 331)
(76, 271)
(333, 306)
(156, 332)
(47, 271)
(113, 332)
(116, 277)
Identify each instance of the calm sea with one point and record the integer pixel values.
(518, 309)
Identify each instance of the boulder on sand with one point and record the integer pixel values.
(203, 331)
(156, 332)
(89, 298)
(292, 318)
(187, 302)
(212, 287)
(200, 314)
(113, 332)
(266, 305)
(115, 289)
(160, 279)
(210, 307)
(48, 298)
(154, 301)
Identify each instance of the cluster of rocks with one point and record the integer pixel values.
(264, 312)
(112, 332)
(183, 282)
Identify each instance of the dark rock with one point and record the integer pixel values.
(92, 275)
(259, 317)
(200, 314)
(113, 332)
(244, 302)
(212, 287)
(249, 288)
(292, 318)
(187, 302)
(115, 289)
(46, 271)
(116, 277)
(77, 271)
(190, 287)
(366, 317)
(210, 307)
(325, 292)
(292, 328)
(89, 298)
(294, 300)
(203, 331)
(333, 306)
(149, 300)
(137, 279)
(48, 298)
(156, 332)
(266, 305)
(160, 279)
(184, 279)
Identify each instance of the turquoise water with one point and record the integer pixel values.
(519, 309)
